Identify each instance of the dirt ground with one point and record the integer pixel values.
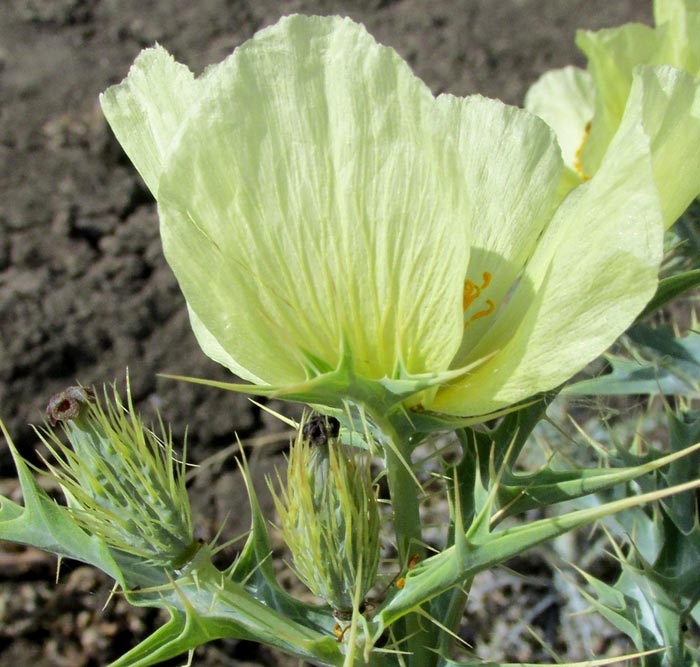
(84, 289)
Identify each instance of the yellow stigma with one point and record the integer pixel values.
(577, 159)
(472, 292)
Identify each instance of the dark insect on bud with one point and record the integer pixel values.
(319, 429)
(67, 404)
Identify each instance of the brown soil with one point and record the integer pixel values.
(84, 289)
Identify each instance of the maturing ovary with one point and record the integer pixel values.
(472, 292)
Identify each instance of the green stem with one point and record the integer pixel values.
(404, 501)
(451, 614)
(405, 492)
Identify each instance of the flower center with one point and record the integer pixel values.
(472, 292)
(578, 165)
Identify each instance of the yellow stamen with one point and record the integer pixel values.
(490, 307)
(472, 292)
(578, 165)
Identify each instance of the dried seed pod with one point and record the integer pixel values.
(67, 404)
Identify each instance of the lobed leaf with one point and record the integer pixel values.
(451, 567)
(44, 524)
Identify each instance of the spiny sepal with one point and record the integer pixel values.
(334, 388)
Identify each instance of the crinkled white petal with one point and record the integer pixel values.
(214, 350)
(593, 271)
(312, 203)
(612, 56)
(670, 101)
(565, 100)
(511, 166)
(146, 109)
(680, 20)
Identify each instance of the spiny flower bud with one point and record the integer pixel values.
(329, 515)
(120, 479)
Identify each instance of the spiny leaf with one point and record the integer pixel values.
(44, 524)
(601, 662)
(204, 605)
(441, 572)
(519, 493)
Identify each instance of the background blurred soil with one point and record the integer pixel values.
(85, 291)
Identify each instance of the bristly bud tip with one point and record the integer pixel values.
(67, 405)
